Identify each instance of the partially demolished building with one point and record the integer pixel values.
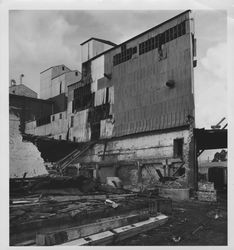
(135, 100)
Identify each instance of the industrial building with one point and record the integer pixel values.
(103, 152)
(134, 99)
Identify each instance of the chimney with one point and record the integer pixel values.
(21, 78)
(13, 82)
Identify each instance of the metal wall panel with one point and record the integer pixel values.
(143, 102)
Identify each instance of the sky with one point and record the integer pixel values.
(40, 39)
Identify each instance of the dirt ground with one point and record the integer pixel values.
(191, 223)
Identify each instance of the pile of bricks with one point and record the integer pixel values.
(206, 191)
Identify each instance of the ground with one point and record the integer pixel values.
(191, 223)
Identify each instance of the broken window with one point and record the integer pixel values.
(178, 147)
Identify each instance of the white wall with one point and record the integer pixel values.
(24, 156)
(45, 84)
(80, 130)
(56, 85)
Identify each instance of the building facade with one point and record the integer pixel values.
(136, 100)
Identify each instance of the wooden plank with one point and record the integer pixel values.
(61, 236)
(99, 239)
(26, 243)
(120, 233)
(140, 227)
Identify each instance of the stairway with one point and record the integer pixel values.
(70, 158)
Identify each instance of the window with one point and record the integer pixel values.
(52, 117)
(63, 68)
(72, 121)
(178, 148)
(60, 88)
(60, 137)
(60, 116)
(76, 73)
(134, 50)
(74, 138)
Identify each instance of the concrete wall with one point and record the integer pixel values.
(64, 80)
(56, 128)
(55, 85)
(45, 84)
(92, 48)
(24, 156)
(154, 151)
(46, 89)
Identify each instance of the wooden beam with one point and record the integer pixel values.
(61, 236)
(121, 233)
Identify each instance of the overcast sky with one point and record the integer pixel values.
(41, 39)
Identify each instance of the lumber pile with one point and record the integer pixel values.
(37, 215)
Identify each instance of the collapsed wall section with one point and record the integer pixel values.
(24, 156)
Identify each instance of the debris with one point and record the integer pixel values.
(176, 239)
(114, 182)
(180, 209)
(111, 203)
(216, 216)
(206, 186)
(197, 229)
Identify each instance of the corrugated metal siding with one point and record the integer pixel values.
(143, 102)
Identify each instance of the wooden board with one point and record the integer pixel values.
(61, 236)
(121, 233)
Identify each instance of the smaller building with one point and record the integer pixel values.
(22, 90)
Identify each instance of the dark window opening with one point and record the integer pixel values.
(83, 98)
(95, 130)
(74, 138)
(53, 118)
(72, 121)
(60, 137)
(13, 91)
(63, 68)
(107, 95)
(43, 121)
(178, 148)
(60, 116)
(60, 88)
(76, 73)
(134, 50)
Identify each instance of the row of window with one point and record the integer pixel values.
(124, 55)
(60, 116)
(162, 38)
(151, 43)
